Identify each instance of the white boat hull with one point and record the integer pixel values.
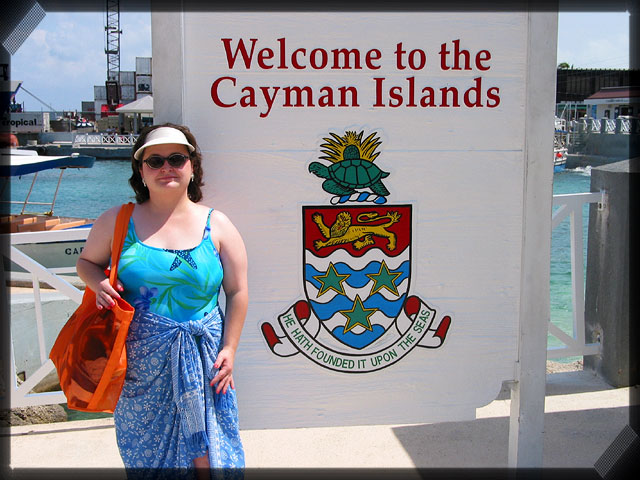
(60, 257)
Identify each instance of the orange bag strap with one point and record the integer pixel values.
(119, 234)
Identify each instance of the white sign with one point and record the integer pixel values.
(24, 122)
(375, 164)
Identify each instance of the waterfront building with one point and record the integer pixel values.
(575, 85)
(613, 102)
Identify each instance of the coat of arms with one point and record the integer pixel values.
(358, 315)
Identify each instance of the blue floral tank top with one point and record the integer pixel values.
(180, 284)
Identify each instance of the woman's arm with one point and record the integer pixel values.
(95, 258)
(233, 256)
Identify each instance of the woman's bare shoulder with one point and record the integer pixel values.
(218, 215)
(224, 227)
(107, 220)
(112, 213)
(222, 221)
(98, 246)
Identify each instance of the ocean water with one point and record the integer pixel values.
(89, 192)
(84, 192)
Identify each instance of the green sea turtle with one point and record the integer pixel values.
(351, 173)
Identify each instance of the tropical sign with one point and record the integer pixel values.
(358, 315)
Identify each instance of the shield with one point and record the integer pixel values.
(357, 268)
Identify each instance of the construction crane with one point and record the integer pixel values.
(112, 49)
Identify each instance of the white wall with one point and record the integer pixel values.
(463, 170)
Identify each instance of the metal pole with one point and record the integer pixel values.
(26, 200)
(55, 195)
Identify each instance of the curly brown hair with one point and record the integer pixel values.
(193, 191)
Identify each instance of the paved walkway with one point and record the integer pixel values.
(583, 415)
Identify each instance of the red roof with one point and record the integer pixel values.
(615, 92)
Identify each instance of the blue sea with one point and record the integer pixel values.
(88, 192)
(84, 192)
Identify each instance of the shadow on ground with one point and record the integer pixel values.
(574, 439)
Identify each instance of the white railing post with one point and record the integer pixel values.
(37, 304)
(20, 396)
(610, 126)
(577, 273)
(596, 126)
(571, 205)
(625, 125)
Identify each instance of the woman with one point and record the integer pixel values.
(178, 406)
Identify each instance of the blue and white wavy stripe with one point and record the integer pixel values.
(351, 292)
(356, 263)
(357, 278)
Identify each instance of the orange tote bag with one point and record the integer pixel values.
(90, 353)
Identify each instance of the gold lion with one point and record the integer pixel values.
(359, 235)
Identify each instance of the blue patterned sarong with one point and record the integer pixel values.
(167, 414)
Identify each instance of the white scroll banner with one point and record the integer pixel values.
(298, 333)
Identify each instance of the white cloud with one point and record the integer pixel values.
(64, 57)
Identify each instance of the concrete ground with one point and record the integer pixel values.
(583, 416)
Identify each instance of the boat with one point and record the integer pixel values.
(59, 256)
(559, 159)
(560, 149)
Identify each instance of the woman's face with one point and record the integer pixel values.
(166, 177)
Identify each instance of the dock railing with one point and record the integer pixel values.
(605, 125)
(570, 205)
(104, 139)
(21, 395)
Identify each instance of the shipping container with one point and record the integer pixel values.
(143, 84)
(88, 110)
(143, 65)
(128, 93)
(98, 107)
(100, 92)
(127, 78)
(88, 106)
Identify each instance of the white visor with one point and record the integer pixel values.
(161, 136)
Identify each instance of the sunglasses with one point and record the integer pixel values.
(175, 160)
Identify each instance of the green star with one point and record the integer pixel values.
(384, 279)
(331, 280)
(358, 315)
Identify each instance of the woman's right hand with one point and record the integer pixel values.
(105, 294)
(95, 257)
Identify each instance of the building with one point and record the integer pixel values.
(574, 86)
(613, 101)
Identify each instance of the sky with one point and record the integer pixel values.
(64, 57)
